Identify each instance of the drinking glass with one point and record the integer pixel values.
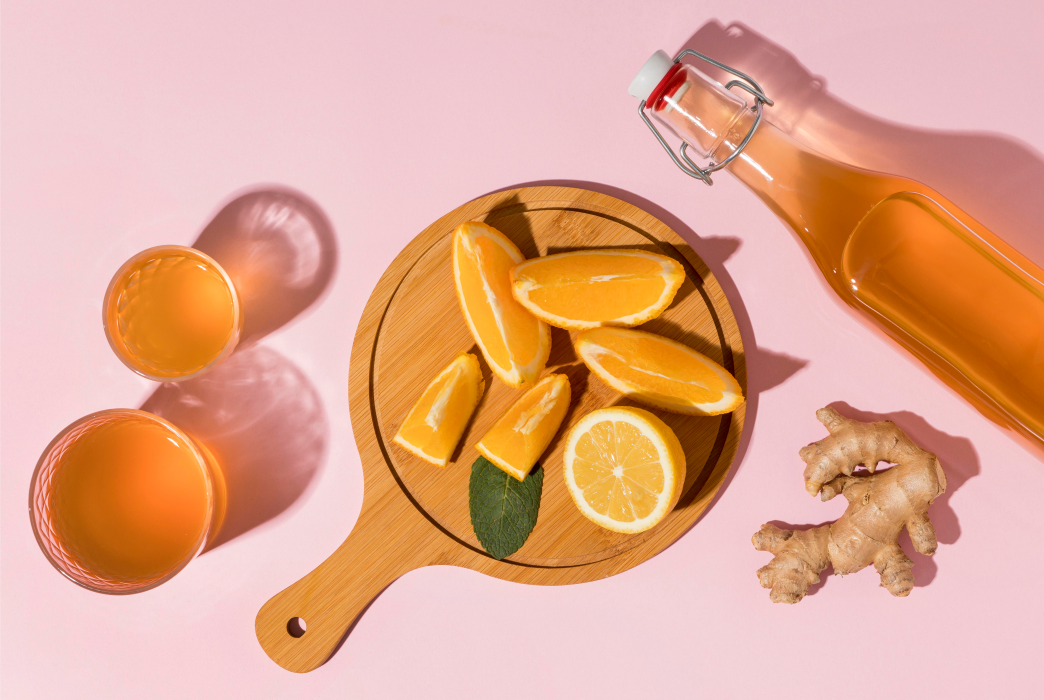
(172, 313)
(121, 501)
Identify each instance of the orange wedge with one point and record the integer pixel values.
(624, 468)
(592, 288)
(658, 371)
(513, 341)
(518, 439)
(434, 425)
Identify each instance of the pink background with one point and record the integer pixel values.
(129, 124)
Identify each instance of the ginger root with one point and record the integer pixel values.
(880, 504)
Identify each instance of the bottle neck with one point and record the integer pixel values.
(821, 199)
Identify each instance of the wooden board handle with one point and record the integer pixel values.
(303, 625)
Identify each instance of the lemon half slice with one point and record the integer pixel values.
(624, 468)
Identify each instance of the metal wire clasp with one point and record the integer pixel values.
(688, 167)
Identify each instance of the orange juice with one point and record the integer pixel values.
(903, 256)
(910, 261)
(122, 500)
(171, 313)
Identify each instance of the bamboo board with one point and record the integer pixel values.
(415, 514)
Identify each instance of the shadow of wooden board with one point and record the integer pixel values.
(415, 514)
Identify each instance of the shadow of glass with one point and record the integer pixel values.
(264, 423)
(257, 413)
(983, 173)
(280, 251)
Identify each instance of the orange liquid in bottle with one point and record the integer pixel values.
(171, 312)
(123, 500)
(909, 260)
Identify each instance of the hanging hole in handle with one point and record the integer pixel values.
(296, 627)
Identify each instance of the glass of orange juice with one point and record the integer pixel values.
(171, 313)
(122, 500)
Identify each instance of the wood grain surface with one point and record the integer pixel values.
(415, 514)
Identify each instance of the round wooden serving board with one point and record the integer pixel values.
(415, 514)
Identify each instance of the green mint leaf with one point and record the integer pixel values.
(503, 509)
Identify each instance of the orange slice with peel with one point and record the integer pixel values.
(658, 371)
(624, 468)
(514, 342)
(592, 288)
(434, 425)
(517, 440)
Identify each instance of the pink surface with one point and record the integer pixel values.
(128, 125)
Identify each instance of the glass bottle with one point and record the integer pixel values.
(910, 261)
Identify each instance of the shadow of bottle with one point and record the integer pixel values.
(257, 413)
(983, 173)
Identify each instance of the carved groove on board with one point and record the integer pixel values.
(724, 421)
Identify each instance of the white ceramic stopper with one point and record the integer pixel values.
(650, 75)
